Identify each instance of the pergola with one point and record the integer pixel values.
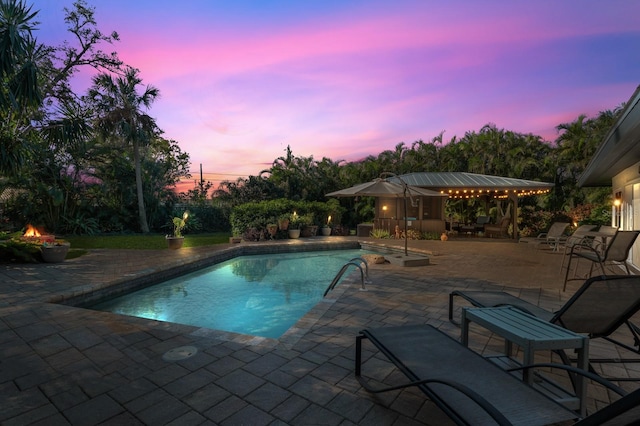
(464, 185)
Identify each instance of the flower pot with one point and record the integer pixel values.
(175, 242)
(326, 231)
(294, 233)
(283, 224)
(309, 231)
(55, 253)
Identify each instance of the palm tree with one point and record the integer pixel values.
(120, 118)
(20, 92)
(18, 67)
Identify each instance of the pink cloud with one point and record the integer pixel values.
(347, 80)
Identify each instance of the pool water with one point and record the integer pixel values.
(261, 295)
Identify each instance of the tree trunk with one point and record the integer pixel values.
(142, 214)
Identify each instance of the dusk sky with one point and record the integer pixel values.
(240, 80)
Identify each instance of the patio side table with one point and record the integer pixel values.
(531, 334)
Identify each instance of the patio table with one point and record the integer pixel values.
(531, 334)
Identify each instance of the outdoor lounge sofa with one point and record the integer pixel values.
(472, 390)
(600, 307)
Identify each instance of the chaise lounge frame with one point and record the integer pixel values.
(553, 237)
(472, 390)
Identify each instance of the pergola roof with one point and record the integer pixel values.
(467, 185)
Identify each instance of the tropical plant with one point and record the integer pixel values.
(380, 233)
(20, 92)
(295, 221)
(122, 121)
(179, 222)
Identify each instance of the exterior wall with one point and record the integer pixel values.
(627, 184)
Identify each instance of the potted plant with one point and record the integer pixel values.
(272, 229)
(54, 252)
(176, 240)
(307, 227)
(283, 222)
(294, 226)
(326, 228)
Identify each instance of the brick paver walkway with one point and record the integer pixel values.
(65, 365)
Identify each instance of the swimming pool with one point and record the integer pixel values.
(262, 295)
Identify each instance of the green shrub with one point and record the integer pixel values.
(533, 222)
(430, 235)
(258, 215)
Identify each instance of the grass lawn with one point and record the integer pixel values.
(143, 242)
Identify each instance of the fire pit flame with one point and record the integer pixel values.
(31, 232)
(33, 235)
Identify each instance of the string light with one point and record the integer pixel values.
(497, 193)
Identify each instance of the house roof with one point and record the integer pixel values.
(619, 149)
(466, 185)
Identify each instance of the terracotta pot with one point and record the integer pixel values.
(283, 224)
(55, 253)
(175, 242)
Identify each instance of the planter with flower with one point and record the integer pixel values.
(325, 229)
(272, 230)
(308, 228)
(176, 240)
(54, 251)
(283, 222)
(294, 226)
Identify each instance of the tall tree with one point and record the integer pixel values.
(20, 93)
(34, 78)
(122, 120)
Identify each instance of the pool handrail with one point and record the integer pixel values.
(339, 275)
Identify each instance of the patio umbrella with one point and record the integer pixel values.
(384, 188)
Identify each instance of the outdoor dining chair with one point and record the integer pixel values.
(574, 239)
(616, 251)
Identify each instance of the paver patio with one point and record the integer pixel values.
(65, 365)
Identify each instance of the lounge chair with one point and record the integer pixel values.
(553, 237)
(601, 306)
(472, 390)
(616, 251)
(498, 230)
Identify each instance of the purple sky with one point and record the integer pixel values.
(240, 80)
